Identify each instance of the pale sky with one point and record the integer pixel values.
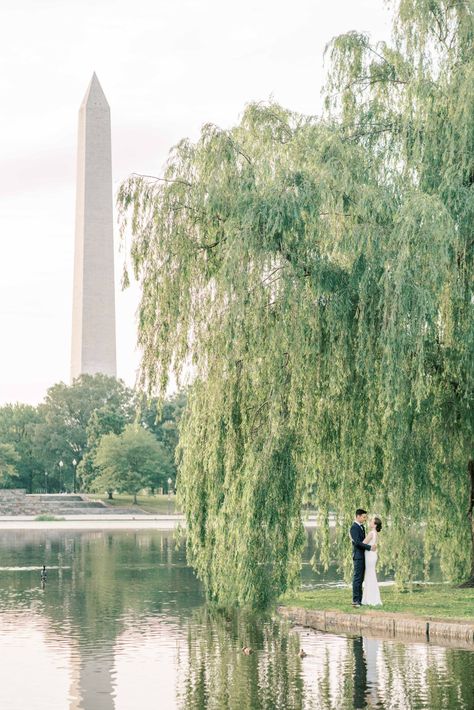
(166, 69)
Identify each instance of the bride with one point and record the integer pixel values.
(371, 595)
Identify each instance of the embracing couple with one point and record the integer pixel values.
(364, 555)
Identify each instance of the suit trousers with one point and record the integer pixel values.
(358, 578)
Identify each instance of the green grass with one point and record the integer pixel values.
(441, 601)
(151, 504)
(45, 517)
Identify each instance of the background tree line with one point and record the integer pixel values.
(106, 436)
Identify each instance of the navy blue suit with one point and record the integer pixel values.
(357, 534)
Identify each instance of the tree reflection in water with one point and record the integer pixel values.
(339, 672)
(115, 598)
(219, 675)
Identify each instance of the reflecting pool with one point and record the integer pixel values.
(120, 623)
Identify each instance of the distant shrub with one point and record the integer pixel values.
(46, 517)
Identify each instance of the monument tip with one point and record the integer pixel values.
(94, 92)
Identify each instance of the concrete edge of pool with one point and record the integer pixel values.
(93, 522)
(458, 634)
(100, 522)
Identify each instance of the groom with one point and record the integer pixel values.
(357, 534)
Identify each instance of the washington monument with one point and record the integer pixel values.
(93, 311)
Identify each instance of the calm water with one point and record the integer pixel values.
(121, 623)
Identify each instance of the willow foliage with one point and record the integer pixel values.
(316, 276)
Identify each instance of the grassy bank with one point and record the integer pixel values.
(151, 504)
(441, 601)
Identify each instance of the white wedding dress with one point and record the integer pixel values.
(371, 594)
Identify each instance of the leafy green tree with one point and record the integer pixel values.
(319, 277)
(17, 427)
(131, 461)
(67, 418)
(8, 464)
(107, 419)
(163, 421)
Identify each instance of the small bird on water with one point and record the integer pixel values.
(302, 654)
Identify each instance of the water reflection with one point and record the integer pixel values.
(338, 672)
(100, 587)
(217, 674)
(360, 673)
(121, 624)
(371, 649)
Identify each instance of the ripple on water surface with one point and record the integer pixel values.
(121, 624)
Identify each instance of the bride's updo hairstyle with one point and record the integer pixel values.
(378, 523)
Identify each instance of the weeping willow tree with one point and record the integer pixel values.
(316, 277)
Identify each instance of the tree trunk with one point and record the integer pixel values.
(135, 502)
(470, 470)
(110, 494)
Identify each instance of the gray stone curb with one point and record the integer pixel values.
(437, 631)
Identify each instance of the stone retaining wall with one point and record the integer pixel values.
(16, 501)
(440, 631)
(13, 501)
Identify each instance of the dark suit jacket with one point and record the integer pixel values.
(358, 547)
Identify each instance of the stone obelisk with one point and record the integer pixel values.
(93, 314)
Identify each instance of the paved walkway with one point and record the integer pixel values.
(93, 522)
(119, 521)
